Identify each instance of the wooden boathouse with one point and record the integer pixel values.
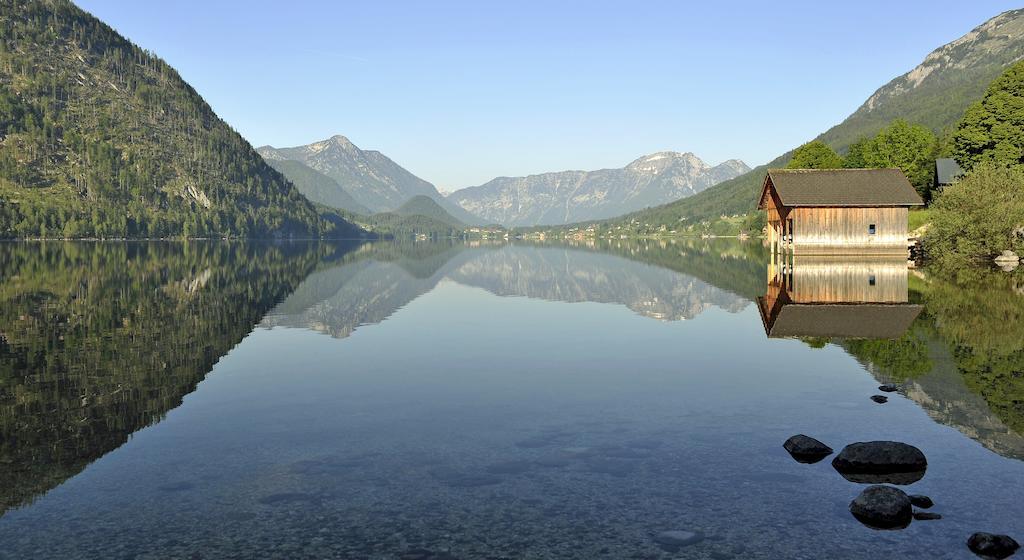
(838, 211)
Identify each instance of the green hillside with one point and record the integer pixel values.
(425, 206)
(100, 138)
(316, 186)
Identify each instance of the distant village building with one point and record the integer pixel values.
(838, 211)
(947, 172)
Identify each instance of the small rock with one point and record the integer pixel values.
(882, 507)
(988, 545)
(889, 388)
(881, 461)
(1008, 256)
(921, 501)
(806, 449)
(880, 399)
(926, 516)
(678, 539)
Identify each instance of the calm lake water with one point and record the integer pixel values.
(442, 401)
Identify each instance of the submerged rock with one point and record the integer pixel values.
(678, 539)
(880, 399)
(806, 449)
(921, 501)
(926, 516)
(988, 545)
(882, 507)
(881, 461)
(889, 388)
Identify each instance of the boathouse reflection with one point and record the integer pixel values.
(821, 296)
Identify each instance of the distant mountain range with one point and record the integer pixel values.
(368, 178)
(935, 93)
(572, 196)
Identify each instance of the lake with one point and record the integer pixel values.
(455, 401)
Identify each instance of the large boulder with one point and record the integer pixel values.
(881, 461)
(988, 545)
(882, 507)
(806, 449)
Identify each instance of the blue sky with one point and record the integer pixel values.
(461, 92)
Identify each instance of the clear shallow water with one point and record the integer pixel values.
(383, 401)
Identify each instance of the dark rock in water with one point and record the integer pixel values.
(881, 461)
(889, 388)
(880, 399)
(926, 516)
(882, 507)
(509, 467)
(902, 479)
(921, 501)
(806, 449)
(988, 545)
(678, 539)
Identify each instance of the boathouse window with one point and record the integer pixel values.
(871, 280)
(871, 229)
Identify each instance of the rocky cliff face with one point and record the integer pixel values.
(936, 92)
(573, 196)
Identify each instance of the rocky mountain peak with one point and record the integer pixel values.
(989, 40)
(659, 161)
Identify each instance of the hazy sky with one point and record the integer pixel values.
(461, 92)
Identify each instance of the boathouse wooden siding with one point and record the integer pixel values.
(838, 211)
(818, 230)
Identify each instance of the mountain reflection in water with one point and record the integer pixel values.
(101, 340)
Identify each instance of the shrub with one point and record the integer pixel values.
(979, 216)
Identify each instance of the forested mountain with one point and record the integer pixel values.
(316, 186)
(369, 176)
(935, 94)
(428, 207)
(99, 137)
(569, 196)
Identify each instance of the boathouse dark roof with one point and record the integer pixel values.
(841, 187)
(947, 171)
